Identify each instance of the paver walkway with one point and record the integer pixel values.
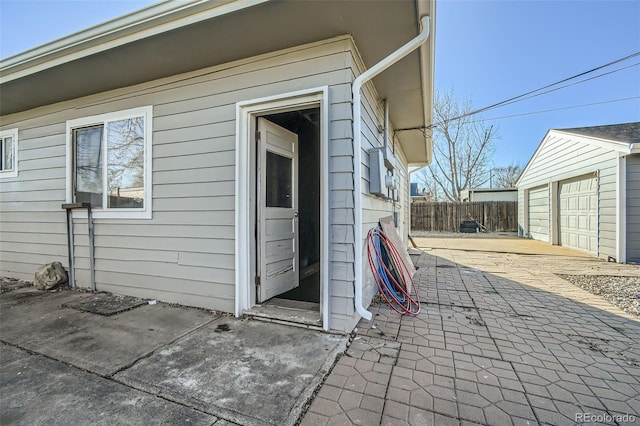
(500, 340)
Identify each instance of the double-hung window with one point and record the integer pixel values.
(9, 153)
(109, 163)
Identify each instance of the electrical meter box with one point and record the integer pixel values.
(377, 172)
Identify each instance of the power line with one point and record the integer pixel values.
(573, 84)
(517, 98)
(425, 129)
(557, 109)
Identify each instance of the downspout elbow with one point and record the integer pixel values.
(363, 78)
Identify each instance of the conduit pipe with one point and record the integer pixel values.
(385, 63)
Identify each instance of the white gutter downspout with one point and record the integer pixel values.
(357, 148)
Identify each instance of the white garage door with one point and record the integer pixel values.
(539, 213)
(578, 211)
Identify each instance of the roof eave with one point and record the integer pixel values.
(152, 20)
(427, 70)
(24, 77)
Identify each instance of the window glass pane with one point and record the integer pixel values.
(125, 169)
(279, 180)
(88, 179)
(8, 153)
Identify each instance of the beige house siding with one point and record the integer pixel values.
(374, 207)
(185, 253)
(560, 158)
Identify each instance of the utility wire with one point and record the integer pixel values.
(531, 94)
(517, 98)
(557, 109)
(570, 84)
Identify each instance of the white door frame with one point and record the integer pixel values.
(246, 111)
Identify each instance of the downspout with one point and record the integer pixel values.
(357, 148)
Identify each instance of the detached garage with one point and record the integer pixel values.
(581, 189)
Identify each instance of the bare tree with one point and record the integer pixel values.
(505, 177)
(462, 149)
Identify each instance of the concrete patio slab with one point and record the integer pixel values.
(155, 364)
(38, 390)
(38, 321)
(249, 372)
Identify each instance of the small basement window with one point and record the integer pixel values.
(9, 153)
(109, 163)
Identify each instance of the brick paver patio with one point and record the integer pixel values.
(500, 340)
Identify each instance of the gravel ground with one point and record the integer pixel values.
(624, 292)
(8, 284)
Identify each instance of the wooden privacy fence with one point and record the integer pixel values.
(496, 216)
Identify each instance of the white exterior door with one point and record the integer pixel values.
(277, 210)
(578, 213)
(539, 213)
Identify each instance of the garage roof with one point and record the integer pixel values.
(625, 133)
(624, 138)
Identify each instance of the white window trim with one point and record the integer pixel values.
(114, 213)
(13, 173)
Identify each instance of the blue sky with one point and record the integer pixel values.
(489, 51)
(486, 51)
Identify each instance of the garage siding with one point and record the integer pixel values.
(559, 158)
(538, 225)
(633, 208)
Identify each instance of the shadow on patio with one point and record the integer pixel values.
(500, 340)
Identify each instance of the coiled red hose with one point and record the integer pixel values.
(392, 277)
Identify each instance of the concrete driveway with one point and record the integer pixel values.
(494, 242)
(501, 340)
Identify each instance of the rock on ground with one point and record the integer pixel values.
(50, 276)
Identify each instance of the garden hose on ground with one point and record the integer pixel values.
(391, 275)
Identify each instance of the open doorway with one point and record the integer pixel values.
(288, 215)
(305, 113)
